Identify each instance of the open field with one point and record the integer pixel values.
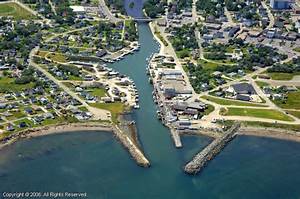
(115, 109)
(14, 10)
(209, 109)
(282, 76)
(57, 57)
(207, 65)
(230, 102)
(260, 113)
(99, 92)
(295, 113)
(8, 85)
(292, 101)
(297, 49)
(262, 84)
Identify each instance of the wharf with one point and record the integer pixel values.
(209, 152)
(176, 138)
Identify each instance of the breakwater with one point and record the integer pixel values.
(131, 147)
(209, 152)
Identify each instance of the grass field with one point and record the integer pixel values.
(260, 113)
(292, 102)
(282, 76)
(207, 65)
(115, 109)
(295, 113)
(262, 84)
(57, 57)
(14, 10)
(8, 85)
(209, 109)
(99, 92)
(42, 53)
(230, 102)
(297, 49)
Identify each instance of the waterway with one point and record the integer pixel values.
(95, 163)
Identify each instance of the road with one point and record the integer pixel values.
(105, 11)
(98, 114)
(270, 15)
(28, 9)
(52, 7)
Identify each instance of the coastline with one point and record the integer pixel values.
(127, 143)
(275, 133)
(53, 129)
(161, 45)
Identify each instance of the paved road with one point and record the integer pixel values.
(52, 7)
(105, 11)
(270, 15)
(97, 113)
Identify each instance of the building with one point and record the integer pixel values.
(240, 89)
(78, 9)
(281, 4)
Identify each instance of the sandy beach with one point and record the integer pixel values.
(133, 150)
(270, 133)
(54, 129)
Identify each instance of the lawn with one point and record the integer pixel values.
(57, 57)
(227, 102)
(260, 113)
(292, 102)
(14, 10)
(282, 76)
(115, 109)
(297, 49)
(262, 84)
(295, 113)
(207, 65)
(209, 109)
(8, 85)
(42, 53)
(99, 92)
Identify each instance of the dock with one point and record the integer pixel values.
(176, 138)
(209, 152)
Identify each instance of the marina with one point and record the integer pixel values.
(97, 164)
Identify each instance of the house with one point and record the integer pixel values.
(242, 89)
(10, 127)
(162, 22)
(233, 31)
(243, 97)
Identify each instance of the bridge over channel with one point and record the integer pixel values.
(142, 19)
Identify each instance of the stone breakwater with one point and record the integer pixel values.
(209, 152)
(133, 150)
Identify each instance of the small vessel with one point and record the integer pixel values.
(136, 106)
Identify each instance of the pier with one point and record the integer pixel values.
(209, 152)
(176, 138)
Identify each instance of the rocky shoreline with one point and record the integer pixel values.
(133, 150)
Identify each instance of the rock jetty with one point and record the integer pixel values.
(209, 152)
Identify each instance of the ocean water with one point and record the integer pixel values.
(95, 163)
